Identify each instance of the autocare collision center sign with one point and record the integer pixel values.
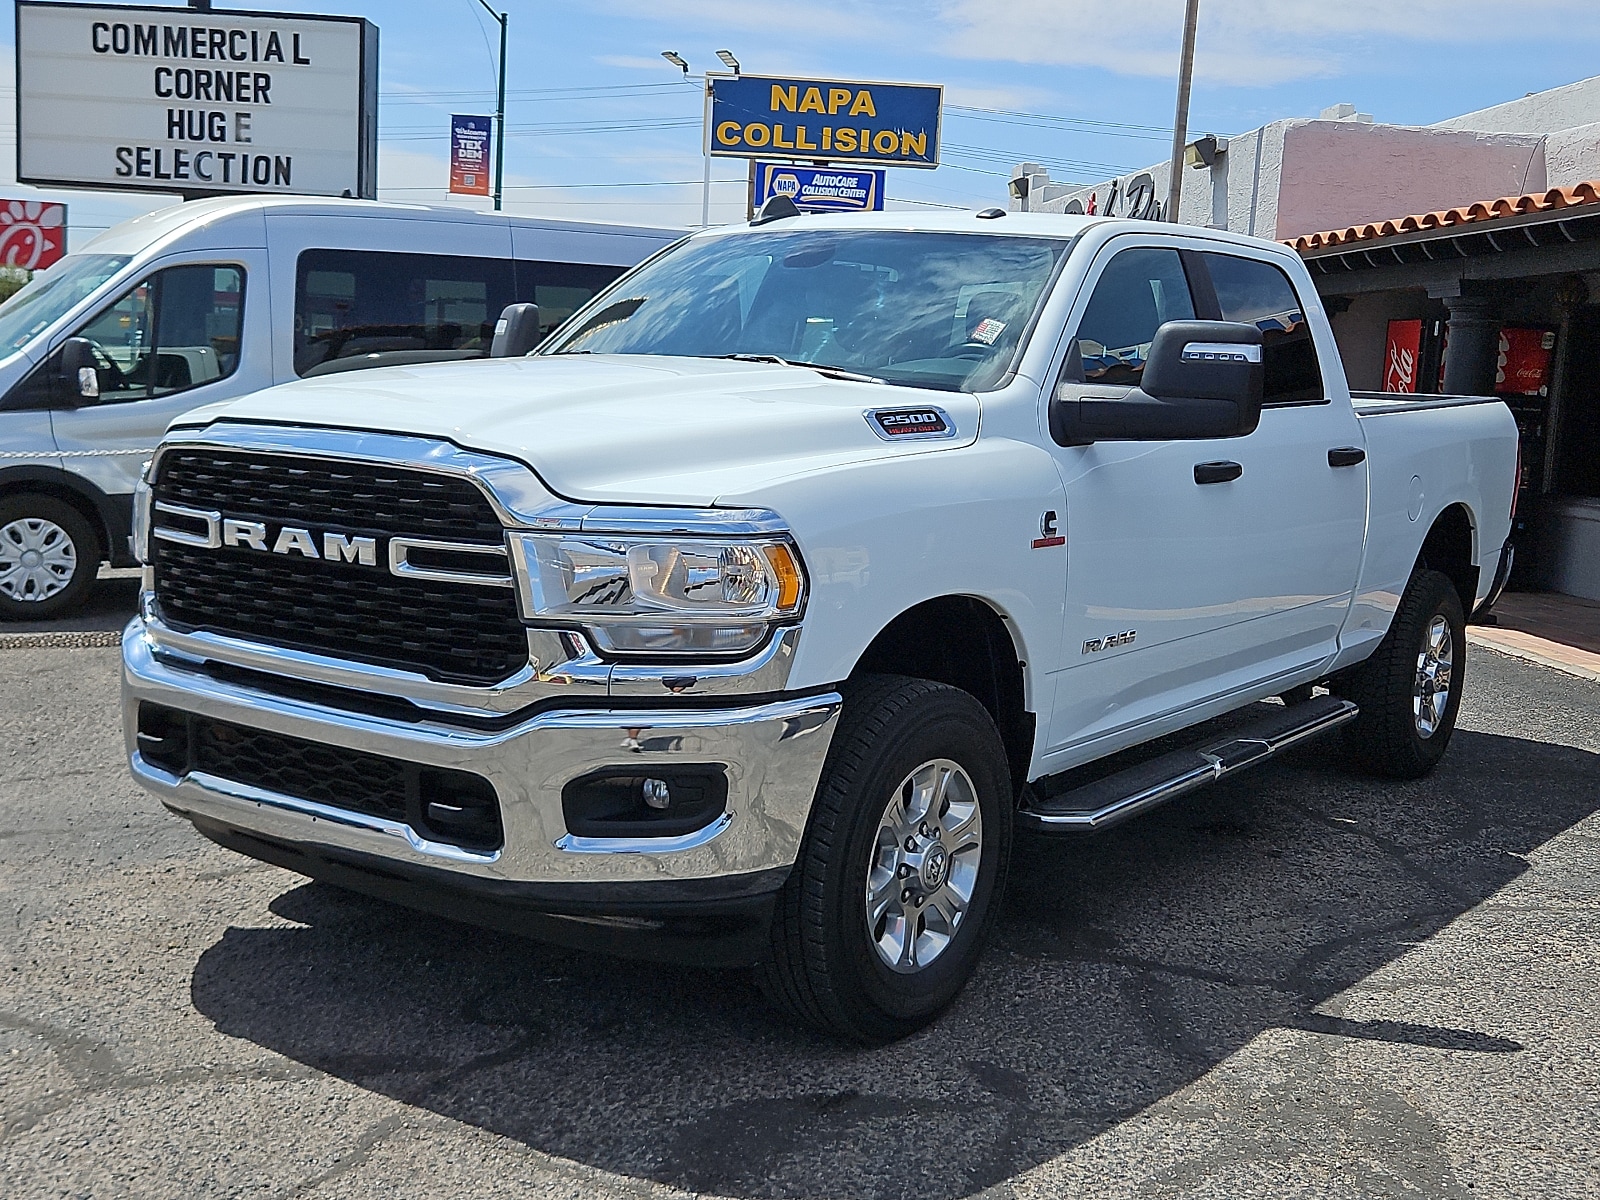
(197, 102)
(756, 116)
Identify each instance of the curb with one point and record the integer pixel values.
(1533, 656)
(80, 640)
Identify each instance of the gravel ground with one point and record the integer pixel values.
(1300, 983)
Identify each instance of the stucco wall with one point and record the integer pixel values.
(1340, 173)
(1544, 112)
(1573, 155)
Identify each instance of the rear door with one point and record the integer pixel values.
(1197, 569)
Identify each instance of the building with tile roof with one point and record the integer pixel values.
(1461, 257)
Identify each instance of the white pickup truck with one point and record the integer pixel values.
(746, 619)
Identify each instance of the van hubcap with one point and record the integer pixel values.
(1430, 695)
(924, 865)
(37, 559)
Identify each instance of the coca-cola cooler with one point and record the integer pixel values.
(1415, 350)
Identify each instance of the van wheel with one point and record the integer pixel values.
(1410, 689)
(49, 556)
(885, 914)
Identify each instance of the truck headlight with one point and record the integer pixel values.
(660, 595)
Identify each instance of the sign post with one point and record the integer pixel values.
(196, 102)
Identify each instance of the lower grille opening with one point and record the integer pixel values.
(454, 807)
(629, 803)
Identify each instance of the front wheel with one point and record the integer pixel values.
(49, 556)
(884, 916)
(1410, 689)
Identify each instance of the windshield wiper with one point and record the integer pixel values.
(820, 368)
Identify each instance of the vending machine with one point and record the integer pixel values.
(1522, 379)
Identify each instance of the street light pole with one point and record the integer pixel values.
(499, 109)
(1180, 122)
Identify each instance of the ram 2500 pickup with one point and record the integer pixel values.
(748, 617)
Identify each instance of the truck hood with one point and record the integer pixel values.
(619, 428)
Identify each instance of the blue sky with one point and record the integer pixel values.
(603, 128)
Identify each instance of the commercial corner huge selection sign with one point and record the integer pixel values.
(197, 102)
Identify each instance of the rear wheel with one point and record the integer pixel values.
(1410, 689)
(49, 556)
(885, 914)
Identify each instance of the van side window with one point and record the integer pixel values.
(1258, 293)
(1141, 289)
(559, 288)
(176, 330)
(349, 303)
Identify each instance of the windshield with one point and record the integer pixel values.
(51, 293)
(933, 310)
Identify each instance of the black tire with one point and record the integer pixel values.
(23, 599)
(824, 966)
(1389, 738)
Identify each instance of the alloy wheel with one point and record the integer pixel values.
(924, 868)
(1430, 695)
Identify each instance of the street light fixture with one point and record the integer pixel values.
(677, 60)
(728, 60)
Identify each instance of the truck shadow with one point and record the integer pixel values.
(1125, 967)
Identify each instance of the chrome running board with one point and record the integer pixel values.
(1129, 792)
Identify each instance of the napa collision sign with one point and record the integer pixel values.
(819, 189)
(196, 102)
(760, 116)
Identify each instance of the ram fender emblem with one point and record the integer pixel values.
(1110, 642)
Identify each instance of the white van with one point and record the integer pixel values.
(212, 299)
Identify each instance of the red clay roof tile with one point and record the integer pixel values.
(1483, 210)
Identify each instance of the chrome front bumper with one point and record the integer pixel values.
(772, 752)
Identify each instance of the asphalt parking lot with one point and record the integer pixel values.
(1301, 983)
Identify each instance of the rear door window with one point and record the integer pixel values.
(1260, 294)
(350, 303)
(559, 288)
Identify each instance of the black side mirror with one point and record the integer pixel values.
(516, 332)
(80, 374)
(1202, 379)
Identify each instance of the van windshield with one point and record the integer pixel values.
(52, 293)
(933, 310)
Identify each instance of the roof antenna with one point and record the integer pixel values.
(777, 208)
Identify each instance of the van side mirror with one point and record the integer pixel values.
(80, 374)
(516, 332)
(1202, 379)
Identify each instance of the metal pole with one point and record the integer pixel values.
(1180, 122)
(705, 185)
(500, 119)
(499, 108)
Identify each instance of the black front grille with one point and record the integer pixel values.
(452, 632)
(442, 805)
(329, 494)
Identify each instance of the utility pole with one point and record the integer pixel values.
(499, 110)
(1180, 122)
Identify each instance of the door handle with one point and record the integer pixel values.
(1217, 472)
(1346, 456)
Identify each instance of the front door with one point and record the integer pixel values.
(169, 344)
(1199, 569)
